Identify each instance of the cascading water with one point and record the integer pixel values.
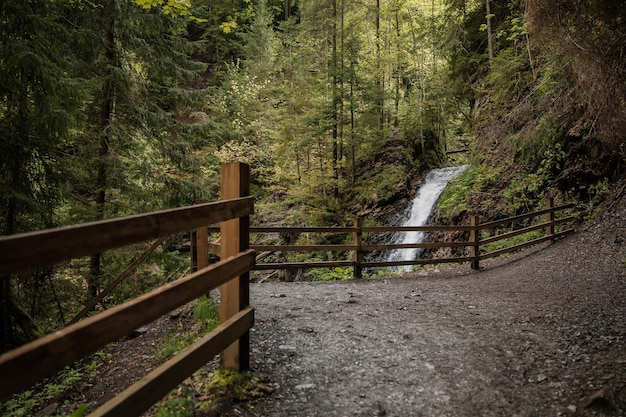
(420, 210)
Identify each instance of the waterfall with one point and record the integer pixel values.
(420, 210)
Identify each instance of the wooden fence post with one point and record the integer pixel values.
(550, 218)
(199, 246)
(193, 250)
(235, 237)
(475, 242)
(358, 252)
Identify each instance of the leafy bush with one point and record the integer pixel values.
(527, 191)
(331, 274)
(457, 197)
(381, 187)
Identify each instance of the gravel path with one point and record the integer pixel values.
(540, 335)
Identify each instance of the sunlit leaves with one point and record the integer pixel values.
(170, 7)
(228, 27)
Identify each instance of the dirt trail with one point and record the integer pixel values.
(542, 335)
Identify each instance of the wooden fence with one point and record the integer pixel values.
(23, 367)
(475, 244)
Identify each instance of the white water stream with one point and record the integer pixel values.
(420, 210)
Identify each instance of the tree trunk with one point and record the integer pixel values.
(335, 100)
(489, 40)
(287, 9)
(352, 125)
(341, 84)
(398, 69)
(380, 81)
(106, 120)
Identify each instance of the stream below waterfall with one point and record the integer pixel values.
(419, 210)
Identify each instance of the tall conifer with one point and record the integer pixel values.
(38, 108)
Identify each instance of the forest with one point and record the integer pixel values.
(117, 107)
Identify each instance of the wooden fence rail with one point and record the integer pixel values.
(357, 262)
(23, 367)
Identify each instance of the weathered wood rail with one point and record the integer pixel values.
(23, 367)
(475, 244)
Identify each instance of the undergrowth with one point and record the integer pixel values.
(54, 389)
(331, 274)
(28, 402)
(512, 241)
(209, 394)
(207, 316)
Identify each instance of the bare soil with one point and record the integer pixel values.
(541, 333)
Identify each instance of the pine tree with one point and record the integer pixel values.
(138, 65)
(39, 105)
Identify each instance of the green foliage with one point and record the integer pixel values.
(160, 267)
(331, 274)
(171, 346)
(80, 411)
(596, 194)
(507, 81)
(39, 108)
(478, 180)
(512, 241)
(212, 393)
(523, 192)
(528, 190)
(226, 386)
(27, 402)
(176, 407)
(516, 31)
(380, 187)
(544, 150)
(206, 313)
(170, 7)
(483, 189)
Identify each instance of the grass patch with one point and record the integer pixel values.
(512, 241)
(206, 312)
(207, 316)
